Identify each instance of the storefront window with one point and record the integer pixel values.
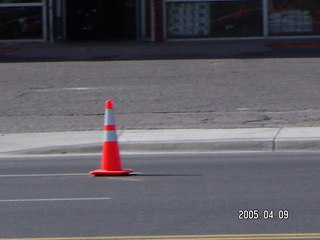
(214, 19)
(21, 23)
(294, 17)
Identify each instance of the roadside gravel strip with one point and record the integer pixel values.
(168, 140)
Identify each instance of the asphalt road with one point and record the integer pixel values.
(193, 194)
(159, 94)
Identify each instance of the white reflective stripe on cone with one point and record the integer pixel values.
(110, 136)
(109, 117)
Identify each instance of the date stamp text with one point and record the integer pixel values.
(255, 214)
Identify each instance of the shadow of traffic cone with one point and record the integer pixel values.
(111, 160)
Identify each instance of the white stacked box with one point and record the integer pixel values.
(290, 21)
(189, 19)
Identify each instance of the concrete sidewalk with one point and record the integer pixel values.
(135, 50)
(112, 51)
(173, 140)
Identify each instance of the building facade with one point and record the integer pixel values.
(156, 20)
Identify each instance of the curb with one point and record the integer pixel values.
(312, 145)
(199, 146)
(166, 141)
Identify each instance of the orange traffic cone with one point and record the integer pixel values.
(111, 160)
